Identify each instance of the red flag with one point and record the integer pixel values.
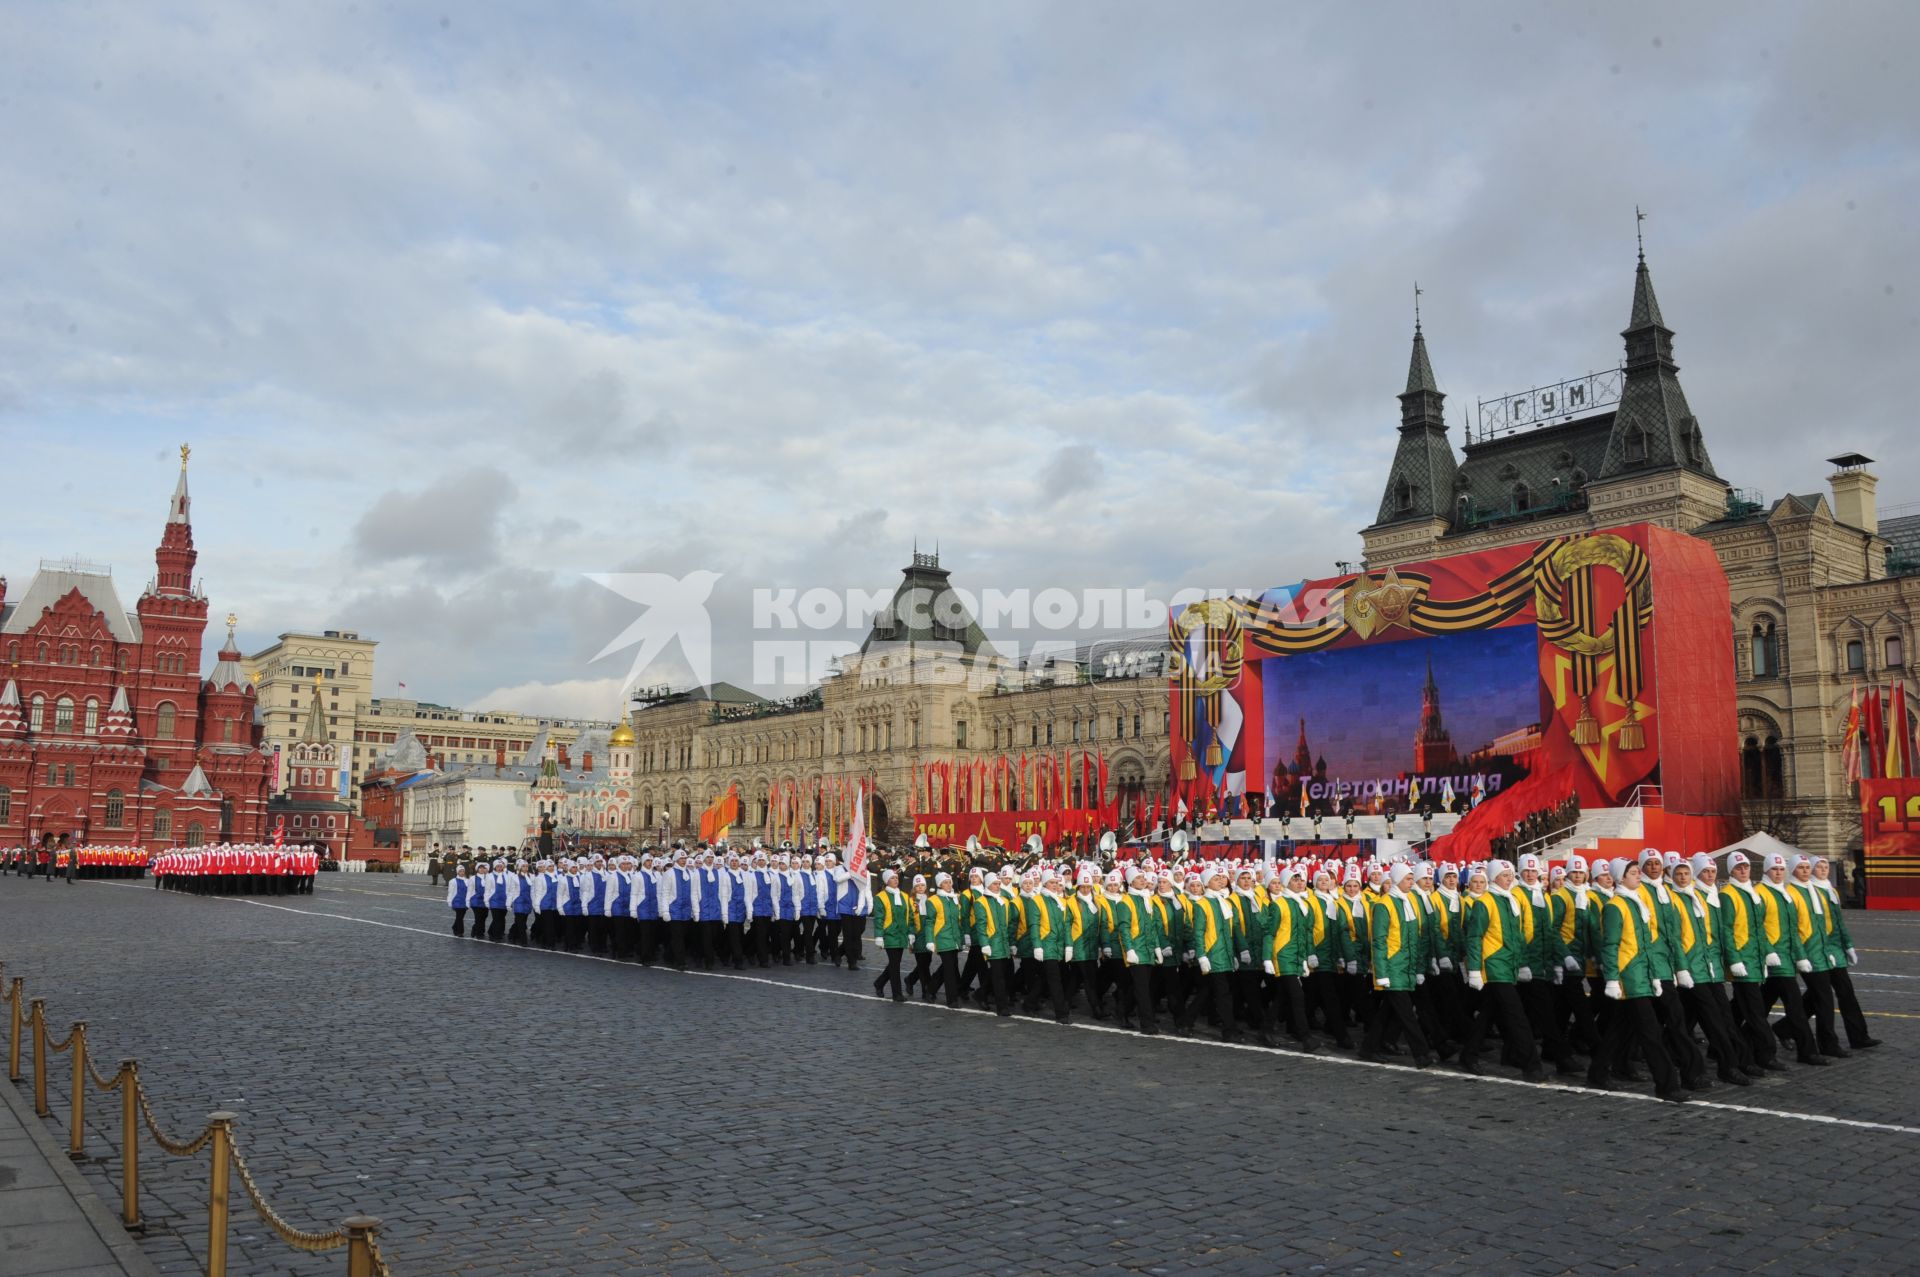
(1899, 741)
(1874, 755)
(857, 840)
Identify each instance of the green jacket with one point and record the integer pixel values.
(1291, 940)
(1217, 934)
(1543, 942)
(894, 918)
(1843, 938)
(1136, 930)
(1255, 915)
(1449, 927)
(1329, 941)
(1356, 944)
(1176, 928)
(1698, 940)
(1625, 942)
(1393, 928)
(991, 926)
(1086, 928)
(1046, 929)
(1497, 943)
(1742, 935)
(940, 922)
(1779, 929)
(1814, 928)
(1663, 946)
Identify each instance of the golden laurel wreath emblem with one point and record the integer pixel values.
(1373, 607)
(1227, 642)
(1599, 551)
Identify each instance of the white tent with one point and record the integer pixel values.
(1758, 847)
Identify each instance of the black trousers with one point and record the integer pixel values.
(1850, 1013)
(947, 976)
(1323, 991)
(707, 931)
(804, 937)
(974, 970)
(786, 940)
(1793, 1027)
(1681, 1048)
(1633, 1023)
(573, 931)
(543, 930)
(517, 933)
(922, 973)
(647, 934)
(852, 928)
(891, 975)
(1819, 1001)
(999, 973)
(1140, 986)
(1571, 1005)
(1500, 1004)
(1056, 989)
(1750, 1018)
(677, 935)
(1086, 979)
(497, 928)
(599, 933)
(479, 931)
(761, 940)
(734, 948)
(1395, 1006)
(1290, 996)
(459, 922)
(1217, 985)
(1708, 1004)
(1549, 1029)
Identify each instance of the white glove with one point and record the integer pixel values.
(1773, 960)
(1130, 958)
(1353, 968)
(1419, 980)
(1313, 962)
(1446, 964)
(1039, 955)
(1106, 951)
(1069, 954)
(1190, 955)
(1383, 984)
(1853, 959)
(1738, 969)
(1246, 957)
(1475, 980)
(1161, 955)
(1523, 974)
(1433, 967)
(1557, 974)
(1659, 987)
(1570, 962)
(1802, 965)
(1267, 967)
(929, 946)
(1685, 979)
(1613, 990)
(1206, 966)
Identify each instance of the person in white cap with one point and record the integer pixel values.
(920, 901)
(1664, 962)
(1498, 947)
(1701, 976)
(1845, 956)
(895, 932)
(1744, 951)
(1813, 928)
(1780, 931)
(1398, 967)
(1626, 961)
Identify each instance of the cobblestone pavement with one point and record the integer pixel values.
(506, 1111)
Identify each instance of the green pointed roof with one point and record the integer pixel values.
(1419, 368)
(926, 609)
(1646, 307)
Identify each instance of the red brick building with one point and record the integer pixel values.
(108, 732)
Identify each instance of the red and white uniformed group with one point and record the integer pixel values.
(244, 868)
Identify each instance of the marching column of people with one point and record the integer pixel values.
(1590, 971)
(230, 869)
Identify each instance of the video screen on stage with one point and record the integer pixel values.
(1397, 725)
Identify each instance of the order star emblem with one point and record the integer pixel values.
(1376, 606)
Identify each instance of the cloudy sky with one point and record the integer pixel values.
(460, 303)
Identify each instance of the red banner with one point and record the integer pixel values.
(1890, 828)
(1006, 830)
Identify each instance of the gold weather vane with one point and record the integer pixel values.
(185, 451)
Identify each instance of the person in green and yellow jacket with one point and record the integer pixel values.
(1499, 944)
(893, 923)
(943, 935)
(1329, 965)
(1176, 940)
(1137, 939)
(993, 939)
(1569, 908)
(973, 976)
(1217, 941)
(1845, 956)
(1813, 921)
(1086, 937)
(1704, 992)
(1663, 960)
(1393, 927)
(1047, 938)
(1255, 913)
(1743, 955)
(1544, 959)
(1356, 948)
(1014, 889)
(921, 902)
(1450, 955)
(1779, 934)
(1287, 953)
(1626, 963)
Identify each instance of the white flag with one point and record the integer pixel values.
(857, 838)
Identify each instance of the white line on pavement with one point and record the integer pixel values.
(1437, 1074)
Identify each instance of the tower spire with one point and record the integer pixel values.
(1652, 428)
(1421, 481)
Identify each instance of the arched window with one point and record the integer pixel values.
(226, 730)
(329, 822)
(120, 660)
(1136, 727)
(163, 825)
(306, 776)
(1402, 494)
(1764, 649)
(93, 716)
(1636, 444)
(63, 714)
(195, 835)
(116, 809)
(1856, 656)
(69, 774)
(1895, 652)
(163, 720)
(6, 804)
(53, 774)
(41, 653)
(13, 653)
(94, 659)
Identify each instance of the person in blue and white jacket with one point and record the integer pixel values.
(546, 905)
(826, 935)
(763, 902)
(459, 892)
(786, 932)
(519, 903)
(677, 889)
(853, 902)
(646, 910)
(497, 899)
(573, 899)
(620, 907)
(733, 912)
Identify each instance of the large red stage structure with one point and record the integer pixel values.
(1596, 665)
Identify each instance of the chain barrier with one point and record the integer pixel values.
(358, 1235)
(313, 1243)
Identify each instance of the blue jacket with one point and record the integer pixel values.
(736, 895)
(680, 908)
(457, 895)
(520, 893)
(597, 885)
(547, 892)
(765, 893)
(809, 895)
(622, 895)
(788, 901)
(573, 888)
(854, 903)
(829, 898)
(497, 889)
(709, 895)
(646, 895)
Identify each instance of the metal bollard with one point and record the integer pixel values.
(360, 1232)
(13, 1042)
(77, 1111)
(222, 1124)
(37, 1012)
(130, 1146)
